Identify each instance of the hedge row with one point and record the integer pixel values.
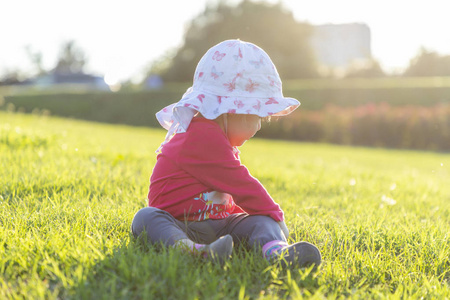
(373, 124)
(131, 108)
(352, 97)
(134, 107)
(345, 116)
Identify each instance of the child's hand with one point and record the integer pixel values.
(284, 229)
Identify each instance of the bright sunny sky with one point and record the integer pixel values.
(121, 38)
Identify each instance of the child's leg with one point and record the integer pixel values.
(255, 230)
(162, 227)
(264, 233)
(159, 225)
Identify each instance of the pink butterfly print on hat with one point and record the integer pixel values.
(272, 101)
(232, 43)
(231, 86)
(250, 86)
(201, 97)
(239, 104)
(272, 82)
(257, 106)
(218, 56)
(215, 74)
(238, 56)
(189, 105)
(257, 63)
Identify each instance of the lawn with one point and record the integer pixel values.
(69, 190)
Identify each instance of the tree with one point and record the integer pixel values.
(36, 59)
(10, 77)
(71, 59)
(428, 63)
(270, 26)
(16, 76)
(161, 64)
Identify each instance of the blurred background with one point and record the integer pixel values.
(372, 73)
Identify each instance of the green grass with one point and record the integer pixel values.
(69, 190)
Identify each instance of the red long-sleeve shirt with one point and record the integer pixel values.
(195, 164)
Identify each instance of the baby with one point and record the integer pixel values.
(201, 197)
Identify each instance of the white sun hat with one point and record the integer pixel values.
(233, 77)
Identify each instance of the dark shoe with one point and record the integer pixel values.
(221, 249)
(301, 254)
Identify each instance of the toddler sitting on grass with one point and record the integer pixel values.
(201, 197)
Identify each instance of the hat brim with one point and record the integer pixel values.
(212, 106)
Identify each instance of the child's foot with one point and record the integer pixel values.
(220, 250)
(301, 254)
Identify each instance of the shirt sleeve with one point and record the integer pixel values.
(208, 156)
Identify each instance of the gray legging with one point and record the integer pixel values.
(162, 227)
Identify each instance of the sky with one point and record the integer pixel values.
(122, 38)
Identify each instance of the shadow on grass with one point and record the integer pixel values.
(136, 270)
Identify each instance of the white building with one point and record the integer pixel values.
(338, 46)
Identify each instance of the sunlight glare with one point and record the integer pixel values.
(112, 80)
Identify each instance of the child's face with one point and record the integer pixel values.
(241, 128)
